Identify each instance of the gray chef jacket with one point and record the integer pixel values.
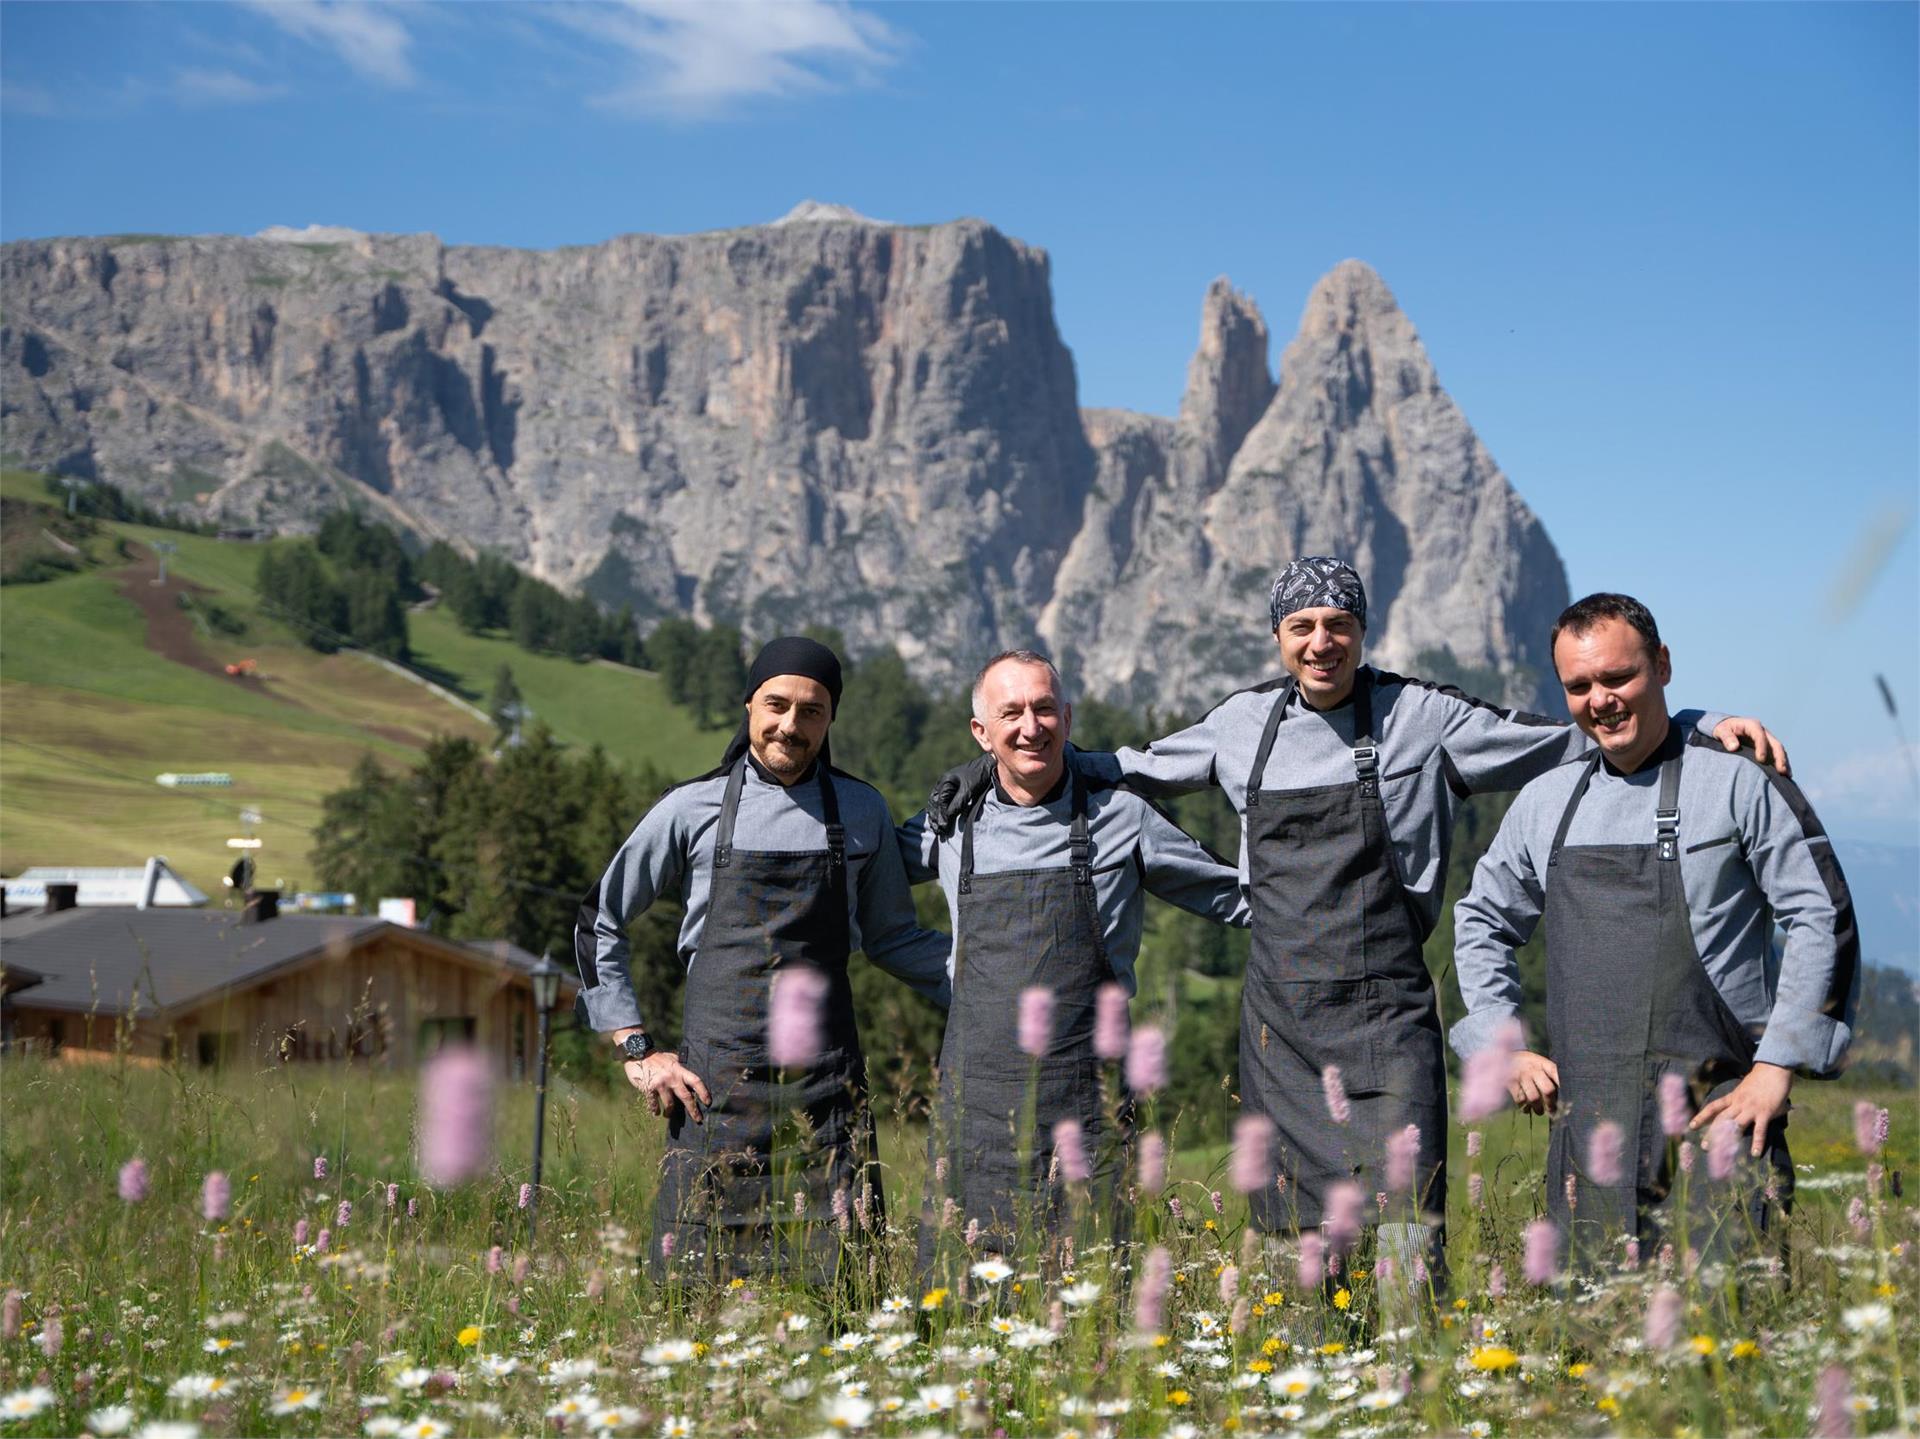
(1135, 850)
(1436, 747)
(671, 852)
(1752, 855)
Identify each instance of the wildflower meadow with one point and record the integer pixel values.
(192, 1252)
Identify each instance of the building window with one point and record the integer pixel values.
(437, 1033)
(216, 1050)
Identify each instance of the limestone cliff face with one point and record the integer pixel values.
(828, 420)
(1359, 453)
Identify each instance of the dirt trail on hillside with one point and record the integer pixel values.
(170, 632)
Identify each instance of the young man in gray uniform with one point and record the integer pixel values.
(1661, 865)
(1045, 879)
(1347, 780)
(786, 866)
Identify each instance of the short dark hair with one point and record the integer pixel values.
(1583, 615)
(1025, 657)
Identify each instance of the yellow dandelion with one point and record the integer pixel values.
(736, 1283)
(1744, 1349)
(1885, 1291)
(1230, 1423)
(1212, 1225)
(1608, 1404)
(1159, 1341)
(1261, 1366)
(1342, 1299)
(1333, 1346)
(1273, 1298)
(1258, 1310)
(1493, 1358)
(1460, 1305)
(1703, 1344)
(1580, 1370)
(933, 1299)
(1273, 1346)
(1179, 1397)
(468, 1337)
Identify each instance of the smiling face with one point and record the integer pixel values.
(1022, 721)
(1616, 690)
(787, 722)
(1320, 646)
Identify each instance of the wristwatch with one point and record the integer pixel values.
(636, 1046)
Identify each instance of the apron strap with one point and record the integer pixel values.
(1274, 716)
(729, 809)
(1666, 816)
(1573, 803)
(1079, 846)
(829, 810)
(1366, 756)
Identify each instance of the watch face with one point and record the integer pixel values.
(635, 1046)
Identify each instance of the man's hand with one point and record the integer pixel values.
(1533, 1082)
(955, 791)
(1755, 1102)
(1730, 732)
(668, 1085)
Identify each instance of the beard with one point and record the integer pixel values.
(784, 755)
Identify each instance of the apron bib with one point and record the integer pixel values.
(770, 1134)
(1017, 929)
(1628, 1002)
(1336, 978)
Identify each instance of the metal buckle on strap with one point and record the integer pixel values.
(1667, 833)
(1366, 766)
(721, 853)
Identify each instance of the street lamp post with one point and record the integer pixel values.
(546, 992)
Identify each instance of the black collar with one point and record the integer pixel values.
(771, 778)
(1059, 787)
(1671, 746)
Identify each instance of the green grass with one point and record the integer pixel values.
(91, 713)
(453, 1315)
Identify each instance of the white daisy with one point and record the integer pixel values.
(412, 1381)
(425, 1427)
(25, 1403)
(668, 1351)
(894, 1344)
(220, 1344)
(497, 1366)
(1381, 1399)
(676, 1426)
(573, 1406)
(992, 1271)
(191, 1387)
(1079, 1296)
(614, 1416)
(1031, 1336)
(114, 1419)
(895, 1304)
(1867, 1318)
(292, 1401)
(937, 1398)
(168, 1429)
(852, 1340)
(1294, 1383)
(848, 1411)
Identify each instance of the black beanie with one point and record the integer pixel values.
(794, 655)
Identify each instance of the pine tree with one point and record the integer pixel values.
(503, 701)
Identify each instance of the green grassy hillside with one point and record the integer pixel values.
(106, 681)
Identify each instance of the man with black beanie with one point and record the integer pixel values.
(786, 866)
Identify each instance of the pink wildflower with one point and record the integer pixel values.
(10, 1316)
(1313, 1260)
(1252, 1137)
(1336, 1092)
(1870, 1123)
(1403, 1155)
(1723, 1148)
(1496, 1281)
(393, 1195)
(526, 1195)
(1606, 1149)
(521, 1264)
(1542, 1263)
(52, 1336)
(413, 1209)
(1229, 1283)
(456, 1116)
(319, 1166)
(1687, 1156)
(1857, 1217)
(1476, 1141)
(1147, 1060)
(1345, 1206)
(495, 1257)
(794, 1023)
(1476, 1190)
(343, 1216)
(1035, 1030)
(134, 1181)
(1483, 1078)
(322, 1241)
(1070, 1148)
(1110, 1022)
(300, 1231)
(1675, 1108)
(216, 1197)
(1150, 1296)
(1833, 1404)
(1153, 1163)
(1662, 1329)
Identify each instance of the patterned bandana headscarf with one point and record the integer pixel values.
(1314, 580)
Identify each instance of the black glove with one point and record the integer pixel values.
(955, 792)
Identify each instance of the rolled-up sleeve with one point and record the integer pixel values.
(650, 863)
(1811, 1023)
(890, 932)
(1496, 917)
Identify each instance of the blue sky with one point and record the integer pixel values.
(1663, 256)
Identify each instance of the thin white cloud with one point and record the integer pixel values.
(194, 86)
(694, 58)
(371, 39)
(20, 98)
(1876, 783)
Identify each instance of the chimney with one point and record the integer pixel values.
(262, 905)
(61, 896)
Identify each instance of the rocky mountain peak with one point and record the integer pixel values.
(815, 212)
(1228, 386)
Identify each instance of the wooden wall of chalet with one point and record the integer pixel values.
(390, 1000)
